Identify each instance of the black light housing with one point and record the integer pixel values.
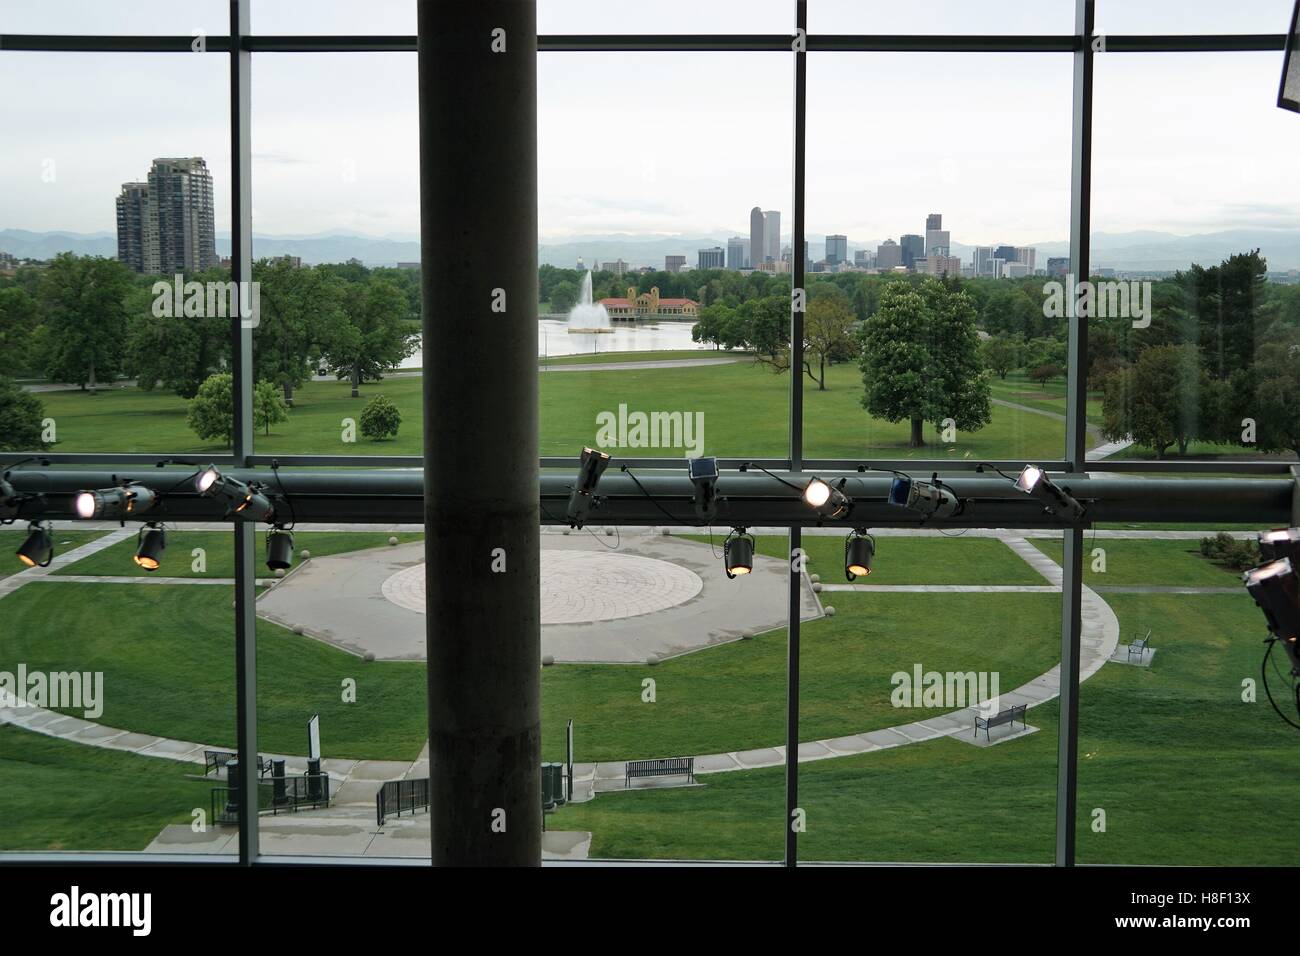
(149, 549)
(1277, 593)
(242, 499)
(703, 473)
(1033, 481)
(110, 503)
(1280, 543)
(826, 499)
(37, 549)
(738, 553)
(279, 549)
(859, 550)
(593, 465)
(923, 497)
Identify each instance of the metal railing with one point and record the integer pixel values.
(398, 795)
(275, 795)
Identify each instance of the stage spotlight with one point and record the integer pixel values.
(1034, 481)
(738, 552)
(593, 465)
(931, 500)
(1275, 590)
(37, 549)
(859, 549)
(279, 549)
(827, 500)
(8, 496)
(704, 476)
(110, 503)
(152, 543)
(242, 499)
(1280, 543)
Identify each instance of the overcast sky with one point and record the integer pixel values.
(1183, 142)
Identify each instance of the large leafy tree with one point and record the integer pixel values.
(177, 351)
(83, 339)
(301, 315)
(828, 334)
(19, 318)
(374, 337)
(1277, 395)
(21, 414)
(920, 359)
(1164, 399)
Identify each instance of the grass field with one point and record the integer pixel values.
(56, 795)
(745, 410)
(1145, 561)
(64, 541)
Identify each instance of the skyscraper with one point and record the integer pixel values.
(772, 235)
(888, 255)
(713, 258)
(911, 247)
(674, 263)
(934, 221)
(757, 237)
(738, 252)
(166, 225)
(837, 249)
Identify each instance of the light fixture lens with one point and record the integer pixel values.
(37, 549)
(153, 541)
(1029, 477)
(817, 493)
(207, 477)
(859, 549)
(738, 554)
(86, 504)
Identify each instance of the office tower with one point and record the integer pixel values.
(166, 224)
(860, 258)
(618, 267)
(772, 235)
(132, 219)
(937, 242)
(933, 222)
(942, 265)
(737, 253)
(837, 249)
(888, 255)
(1026, 254)
(1005, 253)
(757, 237)
(981, 260)
(713, 258)
(911, 247)
(1058, 266)
(674, 263)
(1016, 270)
(996, 265)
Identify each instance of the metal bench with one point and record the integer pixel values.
(1009, 716)
(1139, 647)
(215, 760)
(663, 767)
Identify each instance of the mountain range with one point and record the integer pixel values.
(1124, 251)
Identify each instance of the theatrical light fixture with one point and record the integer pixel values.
(242, 499)
(149, 550)
(928, 498)
(37, 549)
(279, 549)
(859, 549)
(1034, 481)
(593, 465)
(1274, 588)
(1280, 543)
(827, 500)
(8, 496)
(704, 476)
(110, 503)
(738, 552)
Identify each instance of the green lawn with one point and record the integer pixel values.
(745, 409)
(219, 557)
(1186, 773)
(64, 541)
(667, 355)
(56, 795)
(1138, 561)
(168, 659)
(900, 560)
(733, 697)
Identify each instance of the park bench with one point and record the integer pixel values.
(1008, 716)
(1139, 647)
(215, 760)
(663, 767)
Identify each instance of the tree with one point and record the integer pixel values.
(827, 332)
(1001, 354)
(84, 300)
(301, 311)
(211, 413)
(564, 296)
(1042, 374)
(380, 419)
(374, 338)
(1160, 401)
(920, 360)
(176, 351)
(19, 317)
(1277, 388)
(269, 406)
(21, 415)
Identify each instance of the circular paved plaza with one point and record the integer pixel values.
(582, 587)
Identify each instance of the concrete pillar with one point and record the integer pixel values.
(478, 208)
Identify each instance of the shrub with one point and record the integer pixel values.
(1230, 552)
(380, 419)
(21, 414)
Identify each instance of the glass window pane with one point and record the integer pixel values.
(334, 17)
(666, 16)
(1193, 16)
(121, 17)
(946, 17)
